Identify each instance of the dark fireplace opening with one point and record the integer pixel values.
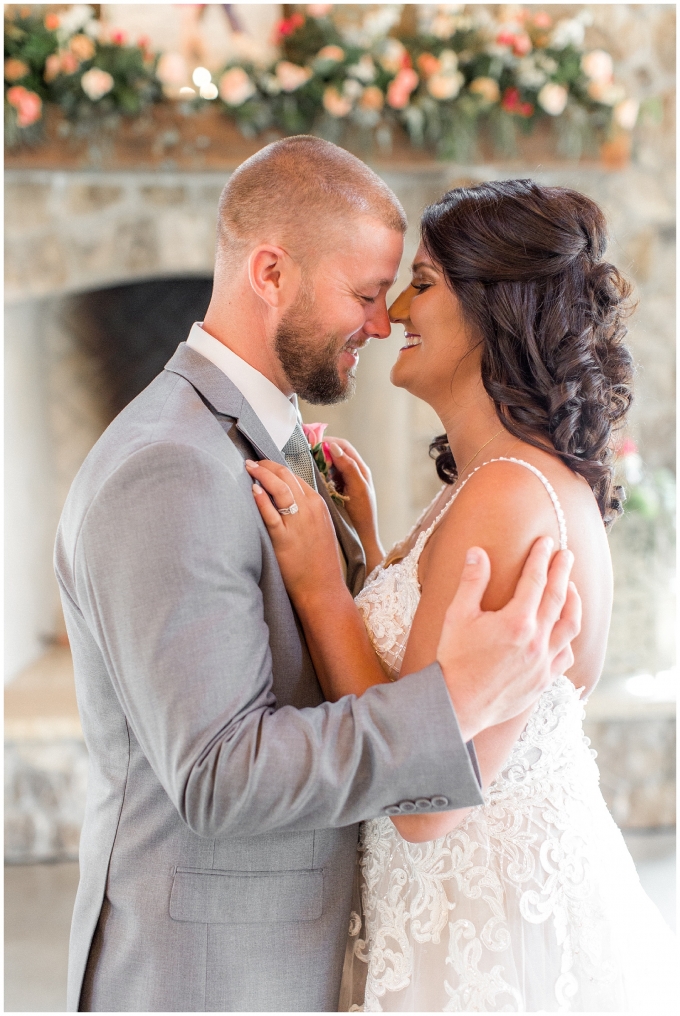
(130, 332)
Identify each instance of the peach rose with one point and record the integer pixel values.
(291, 76)
(236, 86)
(82, 47)
(334, 53)
(428, 64)
(598, 65)
(52, 22)
(606, 92)
(336, 104)
(542, 20)
(445, 86)
(15, 69)
(372, 98)
(172, 69)
(487, 88)
(96, 83)
(52, 67)
(68, 62)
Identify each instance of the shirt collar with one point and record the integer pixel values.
(278, 413)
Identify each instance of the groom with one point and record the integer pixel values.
(218, 849)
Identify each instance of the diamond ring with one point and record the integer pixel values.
(290, 510)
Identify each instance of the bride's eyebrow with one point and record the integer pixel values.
(422, 264)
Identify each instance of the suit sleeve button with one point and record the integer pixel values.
(407, 806)
(439, 802)
(423, 802)
(392, 809)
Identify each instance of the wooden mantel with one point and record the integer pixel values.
(166, 139)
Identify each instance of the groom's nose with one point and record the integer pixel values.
(378, 325)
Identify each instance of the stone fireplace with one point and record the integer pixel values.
(105, 273)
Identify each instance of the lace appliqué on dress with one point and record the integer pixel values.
(512, 910)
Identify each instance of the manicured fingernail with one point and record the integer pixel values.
(250, 464)
(549, 543)
(257, 489)
(472, 557)
(336, 450)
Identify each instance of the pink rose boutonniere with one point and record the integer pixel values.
(322, 456)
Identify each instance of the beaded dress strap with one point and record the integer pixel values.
(561, 522)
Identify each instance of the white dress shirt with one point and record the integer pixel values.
(278, 414)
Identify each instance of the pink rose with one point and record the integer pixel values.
(314, 432)
(400, 88)
(27, 104)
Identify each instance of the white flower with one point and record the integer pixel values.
(448, 61)
(72, 20)
(445, 86)
(172, 69)
(236, 86)
(567, 32)
(291, 76)
(626, 113)
(208, 91)
(392, 57)
(96, 83)
(270, 84)
(364, 70)
(545, 62)
(597, 65)
(529, 75)
(352, 89)
(553, 98)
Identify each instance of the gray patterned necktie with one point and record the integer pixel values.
(298, 456)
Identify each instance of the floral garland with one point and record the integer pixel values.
(458, 71)
(71, 60)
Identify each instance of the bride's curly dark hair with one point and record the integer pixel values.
(526, 263)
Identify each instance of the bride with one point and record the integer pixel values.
(514, 334)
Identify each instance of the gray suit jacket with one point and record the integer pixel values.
(218, 848)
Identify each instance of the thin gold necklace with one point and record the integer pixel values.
(478, 451)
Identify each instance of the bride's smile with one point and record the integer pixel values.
(437, 361)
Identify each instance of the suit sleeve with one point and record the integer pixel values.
(167, 568)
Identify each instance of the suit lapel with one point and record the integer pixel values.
(347, 538)
(228, 404)
(224, 398)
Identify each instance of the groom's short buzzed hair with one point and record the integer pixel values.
(298, 193)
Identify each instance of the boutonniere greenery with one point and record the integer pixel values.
(321, 454)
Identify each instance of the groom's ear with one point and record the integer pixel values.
(273, 275)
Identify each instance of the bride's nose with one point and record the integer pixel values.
(400, 310)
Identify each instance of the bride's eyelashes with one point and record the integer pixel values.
(421, 286)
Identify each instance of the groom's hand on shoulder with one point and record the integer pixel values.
(497, 663)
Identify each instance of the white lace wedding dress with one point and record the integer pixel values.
(533, 903)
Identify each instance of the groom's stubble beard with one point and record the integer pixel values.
(311, 368)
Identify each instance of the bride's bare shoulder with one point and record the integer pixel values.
(503, 507)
